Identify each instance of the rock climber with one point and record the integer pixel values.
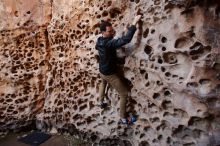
(107, 46)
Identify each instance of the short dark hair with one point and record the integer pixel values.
(104, 24)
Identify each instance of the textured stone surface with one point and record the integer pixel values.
(49, 70)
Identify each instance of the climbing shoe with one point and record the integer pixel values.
(128, 121)
(132, 119)
(123, 121)
(103, 105)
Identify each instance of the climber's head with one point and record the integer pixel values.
(107, 29)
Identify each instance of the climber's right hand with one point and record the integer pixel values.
(136, 19)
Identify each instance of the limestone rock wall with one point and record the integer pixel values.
(49, 70)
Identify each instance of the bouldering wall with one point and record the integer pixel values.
(49, 70)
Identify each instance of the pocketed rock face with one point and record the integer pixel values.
(23, 53)
(49, 70)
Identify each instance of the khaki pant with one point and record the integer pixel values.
(115, 81)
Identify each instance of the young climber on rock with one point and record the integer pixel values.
(107, 46)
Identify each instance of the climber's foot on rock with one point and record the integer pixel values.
(103, 105)
(128, 121)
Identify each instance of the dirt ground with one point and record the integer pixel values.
(55, 140)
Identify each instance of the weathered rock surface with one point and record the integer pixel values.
(49, 70)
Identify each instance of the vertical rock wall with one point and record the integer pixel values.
(24, 49)
(49, 70)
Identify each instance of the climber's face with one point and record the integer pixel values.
(110, 32)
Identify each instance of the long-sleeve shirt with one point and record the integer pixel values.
(107, 46)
